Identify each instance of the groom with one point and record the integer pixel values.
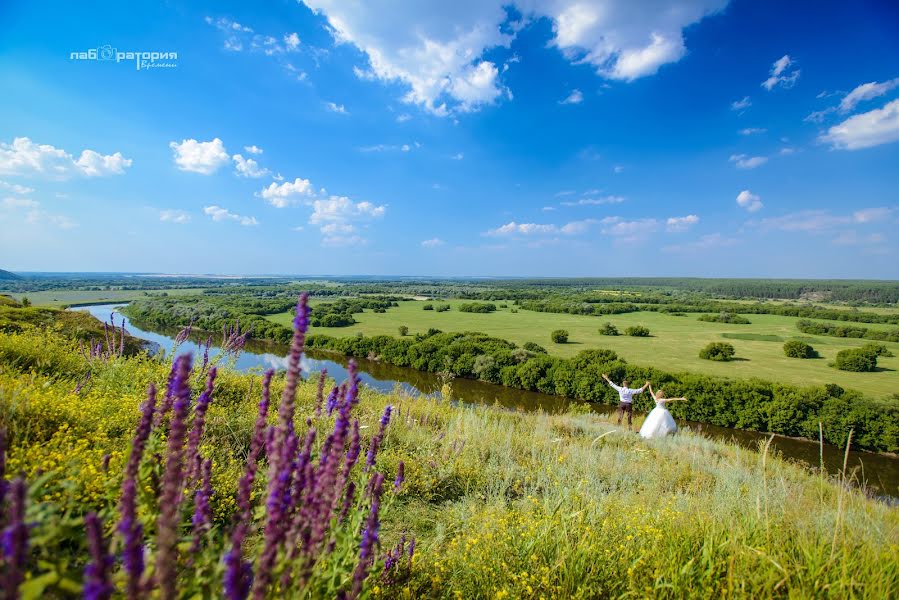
(626, 397)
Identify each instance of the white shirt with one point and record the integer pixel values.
(626, 394)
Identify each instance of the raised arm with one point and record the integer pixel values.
(651, 393)
(609, 381)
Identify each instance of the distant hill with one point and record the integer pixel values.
(8, 275)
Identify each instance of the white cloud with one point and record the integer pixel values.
(200, 157)
(577, 227)
(742, 104)
(24, 157)
(254, 149)
(617, 169)
(12, 202)
(575, 97)
(866, 91)
(548, 208)
(458, 156)
(680, 224)
(514, 228)
(819, 115)
(287, 193)
(432, 243)
(629, 230)
(16, 188)
(336, 108)
(600, 201)
(342, 209)
(34, 214)
(706, 242)
(403, 118)
(292, 41)
(853, 238)
(174, 216)
(222, 214)
(239, 37)
(437, 50)
(783, 73)
(873, 128)
(247, 167)
(872, 215)
(786, 151)
(747, 162)
(752, 130)
(749, 201)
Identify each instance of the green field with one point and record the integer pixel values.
(674, 345)
(57, 298)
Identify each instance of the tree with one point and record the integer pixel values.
(637, 331)
(720, 351)
(799, 349)
(25, 302)
(859, 360)
(559, 336)
(404, 331)
(608, 329)
(428, 307)
(533, 347)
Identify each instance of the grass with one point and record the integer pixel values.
(674, 345)
(502, 504)
(58, 298)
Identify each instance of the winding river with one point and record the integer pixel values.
(880, 472)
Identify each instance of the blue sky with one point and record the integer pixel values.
(524, 138)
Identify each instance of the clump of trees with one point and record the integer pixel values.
(637, 331)
(427, 306)
(608, 329)
(441, 307)
(858, 360)
(721, 351)
(404, 331)
(799, 349)
(559, 336)
(725, 317)
(534, 347)
(878, 349)
(477, 307)
(847, 331)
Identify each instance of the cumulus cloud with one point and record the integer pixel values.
(747, 162)
(632, 230)
(432, 243)
(866, 91)
(749, 201)
(594, 201)
(457, 156)
(575, 97)
(783, 74)
(287, 193)
(438, 51)
(24, 157)
(515, 228)
(865, 130)
(238, 37)
(222, 214)
(254, 149)
(174, 216)
(247, 167)
(199, 157)
(336, 108)
(680, 224)
(341, 209)
(16, 188)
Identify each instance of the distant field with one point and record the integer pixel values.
(674, 345)
(58, 298)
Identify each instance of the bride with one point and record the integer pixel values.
(659, 421)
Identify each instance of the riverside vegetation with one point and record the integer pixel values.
(448, 501)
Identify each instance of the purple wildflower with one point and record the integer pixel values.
(172, 481)
(15, 540)
(97, 585)
(3, 484)
(129, 528)
(167, 399)
(331, 403)
(320, 392)
(400, 476)
(348, 500)
(376, 441)
(369, 536)
(196, 433)
(202, 519)
(83, 382)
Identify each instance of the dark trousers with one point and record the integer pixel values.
(626, 407)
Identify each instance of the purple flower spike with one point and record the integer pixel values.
(15, 539)
(376, 441)
(400, 476)
(172, 482)
(3, 484)
(202, 519)
(369, 536)
(97, 585)
(331, 403)
(196, 433)
(320, 392)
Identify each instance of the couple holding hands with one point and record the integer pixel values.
(659, 421)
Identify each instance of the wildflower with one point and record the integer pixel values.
(97, 585)
(202, 519)
(400, 475)
(172, 481)
(369, 536)
(193, 443)
(319, 393)
(331, 403)
(15, 539)
(376, 441)
(3, 484)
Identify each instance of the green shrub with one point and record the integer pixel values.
(441, 307)
(534, 347)
(878, 349)
(608, 329)
(799, 349)
(725, 317)
(859, 360)
(404, 331)
(559, 336)
(637, 331)
(477, 307)
(721, 351)
(427, 306)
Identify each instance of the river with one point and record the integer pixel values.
(880, 472)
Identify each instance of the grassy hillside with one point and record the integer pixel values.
(500, 504)
(674, 345)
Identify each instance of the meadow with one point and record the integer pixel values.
(500, 504)
(673, 346)
(67, 297)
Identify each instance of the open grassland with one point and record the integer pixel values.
(673, 346)
(501, 504)
(57, 298)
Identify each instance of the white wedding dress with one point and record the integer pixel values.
(659, 422)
